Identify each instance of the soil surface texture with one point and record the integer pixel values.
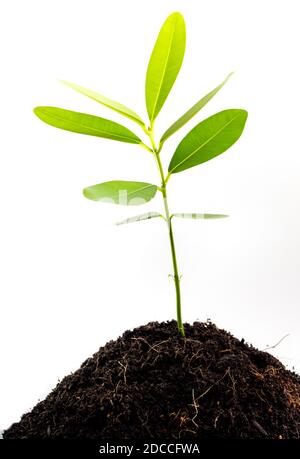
(152, 383)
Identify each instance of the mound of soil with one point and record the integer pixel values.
(151, 383)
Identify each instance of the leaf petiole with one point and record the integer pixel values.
(167, 177)
(143, 145)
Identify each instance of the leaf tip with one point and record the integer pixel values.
(38, 111)
(244, 113)
(215, 216)
(229, 76)
(64, 82)
(85, 193)
(176, 15)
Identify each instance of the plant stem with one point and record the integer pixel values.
(168, 218)
(176, 276)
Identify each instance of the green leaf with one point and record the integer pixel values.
(138, 218)
(165, 63)
(121, 192)
(200, 216)
(85, 124)
(208, 139)
(120, 108)
(192, 111)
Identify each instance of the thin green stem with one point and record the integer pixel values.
(168, 219)
(175, 265)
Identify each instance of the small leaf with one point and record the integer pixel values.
(165, 63)
(192, 111)
(200, 216)
(121, 192)
(85, 124)
(120, 108)
(208, 139)
(138, 218)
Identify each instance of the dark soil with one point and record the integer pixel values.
(151, 383)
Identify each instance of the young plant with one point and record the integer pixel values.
(205, 141)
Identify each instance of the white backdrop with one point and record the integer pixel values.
(70, 279)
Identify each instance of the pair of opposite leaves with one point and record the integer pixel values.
(207, 140)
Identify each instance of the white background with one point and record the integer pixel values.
(70, 279)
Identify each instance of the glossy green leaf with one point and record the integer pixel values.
(116, 106)
(121, 192)
(139, 218)
(165, 63)
(85, 124)
(192, 111)
(208, 139)
(200, 216)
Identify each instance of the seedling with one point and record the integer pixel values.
(205, 141)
